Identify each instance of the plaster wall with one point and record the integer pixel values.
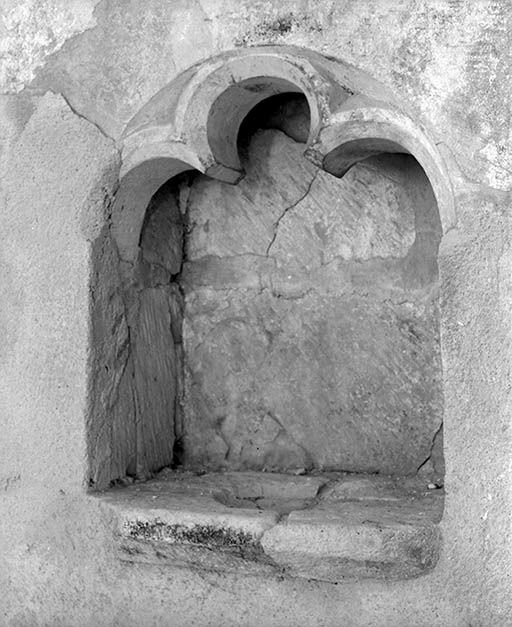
(449, 62)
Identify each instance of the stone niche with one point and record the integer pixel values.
(274, 354)
(304, 309)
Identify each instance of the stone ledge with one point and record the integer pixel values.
(330, 527)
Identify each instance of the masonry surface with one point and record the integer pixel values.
(311, 326)
(73, 75)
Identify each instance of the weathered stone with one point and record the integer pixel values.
(156, 524)
(162, 236)
(356, 541)
(286, 112)
(137, 363)
(356, 487)
(241, 485)
(125, 450)
(186, 511)
(322, 348)
(112, 441)
(232, 220)
(240, 271)
(361, 216)
(260, 522)
(154, 382)
(255, 358)
(32, 31)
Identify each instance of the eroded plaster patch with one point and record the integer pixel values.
(31, 30)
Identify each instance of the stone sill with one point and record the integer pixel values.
(331, 527)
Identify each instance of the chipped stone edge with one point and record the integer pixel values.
(197, 541)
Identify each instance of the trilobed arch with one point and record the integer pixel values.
(193, 123)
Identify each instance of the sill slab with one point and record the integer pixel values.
(330, 527)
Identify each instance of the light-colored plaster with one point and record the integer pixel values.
(32, 30)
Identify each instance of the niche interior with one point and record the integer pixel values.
(304, 331)
(280, 318)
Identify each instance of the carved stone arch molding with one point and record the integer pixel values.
(193, 123)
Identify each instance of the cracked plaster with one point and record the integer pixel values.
(413, 63)
(33, 30)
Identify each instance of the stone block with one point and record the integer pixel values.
(324, 527)
(232, 220)
(355, 541)
(154, 381)
(155, 524)
(310, 322)
(340, 383)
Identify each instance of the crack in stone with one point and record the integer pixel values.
(83, 117)
(300, 296)
(289, 208)
(432, 444)
(307, 456)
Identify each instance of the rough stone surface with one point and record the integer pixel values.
(112, 435)
(309, 527)
(155, 377)
(32, 30)
(162, 236)
(481, 249)
(356, 541)
(311, 320)
(48, 260)
(137, 338)
(244, 485)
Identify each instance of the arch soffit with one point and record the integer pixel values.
(193, 123)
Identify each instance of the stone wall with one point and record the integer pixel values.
(311, 329)
(136, 341)
(311, 335)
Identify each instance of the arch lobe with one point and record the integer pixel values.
(193, 123)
